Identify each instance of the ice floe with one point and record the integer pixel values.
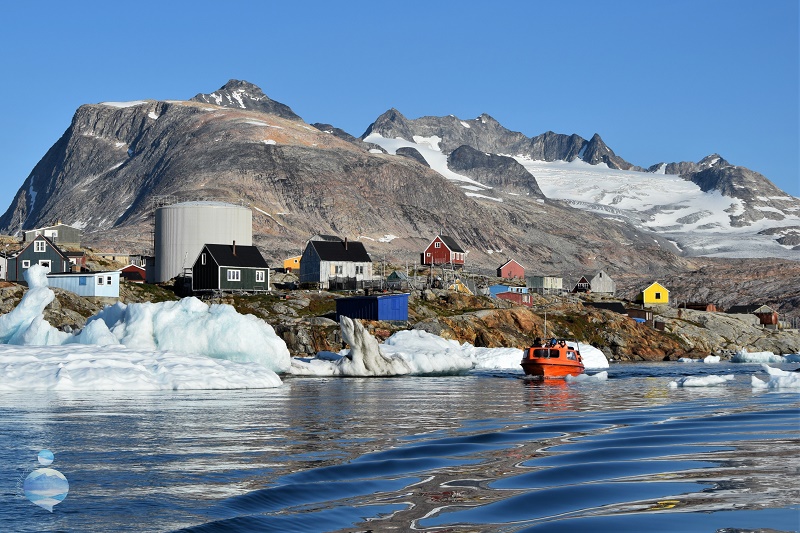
(600, 376)
(778, 379)
(743, 356)
(700, 381)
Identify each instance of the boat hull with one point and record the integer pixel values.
(549, 369)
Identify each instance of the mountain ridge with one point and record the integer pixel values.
(115, 160)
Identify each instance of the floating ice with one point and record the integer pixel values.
(711, 359)
(191, 329)
(600, 376)
(77, 367)
(687, 360)
(417, 352)
(743, 356)
(778, 379)
(700, 381)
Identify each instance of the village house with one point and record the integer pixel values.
(133, 274)
(511, 270)
(39, 251)
(767, 316)
(230, 267)
(3, 265)
(519, 298)
(104, 284)
(654, 294)
(582, 285)
(545, 284)
(602, 283)
(443, 250)
(494, 290)
(335, 264)
(291, 264)
(60, 234)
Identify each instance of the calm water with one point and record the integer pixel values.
(482, 452)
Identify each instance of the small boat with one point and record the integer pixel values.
(552, 359)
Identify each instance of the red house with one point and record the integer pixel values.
(443, 251)
(517, 297)
(133, 274)
(511, 269)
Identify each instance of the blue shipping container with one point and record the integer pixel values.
(386, 307)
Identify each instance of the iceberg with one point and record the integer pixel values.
(600, 376)
(711, 359)
(700, 381)
(173, 345)
(778, 379)
(743, 356)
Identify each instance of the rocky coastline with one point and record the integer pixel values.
(306, 321)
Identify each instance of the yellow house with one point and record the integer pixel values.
(292, 264)
(655, 294)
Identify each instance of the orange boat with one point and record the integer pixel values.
(552, 359)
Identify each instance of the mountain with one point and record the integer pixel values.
(244, 95)
(559, 204)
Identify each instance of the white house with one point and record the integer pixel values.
(335, 263)
(87, 283)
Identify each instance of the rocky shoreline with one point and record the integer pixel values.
(306, 322)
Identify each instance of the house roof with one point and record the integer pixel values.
(246, 256)
(616, 307)
(328, 238)
(450, 243)
(653, 284)
(50, 227)
(341, 251)
(510, 261)
(48, 241)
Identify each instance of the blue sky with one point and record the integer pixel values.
(659, 81)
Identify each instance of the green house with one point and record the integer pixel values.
(230, 267)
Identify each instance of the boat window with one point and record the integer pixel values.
(571, 355)
(544, 352)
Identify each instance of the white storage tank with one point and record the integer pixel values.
(182, 230)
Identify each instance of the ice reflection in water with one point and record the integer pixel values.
(472, 453)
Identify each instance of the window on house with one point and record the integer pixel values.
(39, 246)
(338, 269)
(100, 280)
(658, 296)
(26, 263)
(45, 264)
(437, 245)
(260, 277)
(202, 259)
(234, 275)
(428, 254)
(360, 269)
(108, 280)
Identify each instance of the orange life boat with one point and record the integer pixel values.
(552, 359)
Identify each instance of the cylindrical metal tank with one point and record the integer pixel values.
(182, 230)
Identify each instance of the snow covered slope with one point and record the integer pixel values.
(698, 222)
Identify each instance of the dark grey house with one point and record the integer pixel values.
(39, 251)
(230, 267)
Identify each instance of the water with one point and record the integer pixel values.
(481, 452)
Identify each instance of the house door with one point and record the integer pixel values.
(45, 264)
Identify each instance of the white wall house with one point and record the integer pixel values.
(87, 283)
(324, 262)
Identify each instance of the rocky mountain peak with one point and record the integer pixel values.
(390, 124)
(240, 94)
(713, 160)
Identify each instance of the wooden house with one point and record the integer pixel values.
(388, 307)
(640, 315)
(700, 306)
(77, 259)
(335, 264)
(767, 316)
(133, 274)
(398, 280)
(39, 251)
(602, 283)
(104, 284)
(443, 250)
(60, 234)
(545, 284)
(494, 290)
(510, 270)
(519, 298)
(230, 267)
(3, 265)
(291, 264)
(654, 294)
(583, 285)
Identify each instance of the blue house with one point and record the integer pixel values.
(87, 283)
(494, 290)
(385, 307)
